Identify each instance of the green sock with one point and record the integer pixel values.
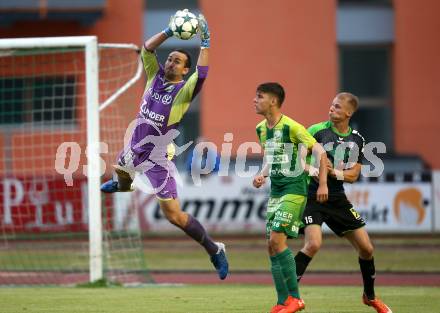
(288, 267)
(278, 279)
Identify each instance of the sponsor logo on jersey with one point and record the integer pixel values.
(169, 88)
(282, 214)
(277, 159)
(156, 118)
(277, 134)
(284, 172)
(165, 99)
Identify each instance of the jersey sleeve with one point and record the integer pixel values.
(314, 129)
(194, 84)
(298, 134)
(187, 93)
(151, 64)
(360, 141)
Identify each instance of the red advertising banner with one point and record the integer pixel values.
(42, 205)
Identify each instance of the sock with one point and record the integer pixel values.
(278, 280)
(124, 180)
(302, 260)
(196, 231)
(288, 267)
(368, 275)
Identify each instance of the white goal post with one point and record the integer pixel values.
(94, 104)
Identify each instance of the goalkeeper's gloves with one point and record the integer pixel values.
(205, 35)
(167, 31)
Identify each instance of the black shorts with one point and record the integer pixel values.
(338, 213)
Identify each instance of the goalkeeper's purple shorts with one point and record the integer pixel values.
(161, 180)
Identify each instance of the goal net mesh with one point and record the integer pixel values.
(43, 186)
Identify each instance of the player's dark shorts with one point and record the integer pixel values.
(338, 213)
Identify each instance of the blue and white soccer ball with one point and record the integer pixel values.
(184, 24)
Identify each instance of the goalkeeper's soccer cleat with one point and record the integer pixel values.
(220, 261)
(292, 305)
(110, 186)
(277, 308)
(377, 304)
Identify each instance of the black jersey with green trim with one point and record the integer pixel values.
(347, 148)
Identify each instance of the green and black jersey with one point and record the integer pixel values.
(280, 145)
(347, 148)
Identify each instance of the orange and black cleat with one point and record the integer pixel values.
(292, 305)
(377, 304)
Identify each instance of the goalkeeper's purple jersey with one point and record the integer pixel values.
(162, 106)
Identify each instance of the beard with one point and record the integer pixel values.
(170, 75)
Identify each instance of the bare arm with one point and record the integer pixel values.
(260, 178)
(321, 155)
(265, 170)
(322, 165)
(309, 145)
(203, 57)
(349, 175)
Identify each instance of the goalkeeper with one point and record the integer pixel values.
(166, 99)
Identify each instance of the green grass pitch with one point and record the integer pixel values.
(208, 299)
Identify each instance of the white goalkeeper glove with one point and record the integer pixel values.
(205, 35)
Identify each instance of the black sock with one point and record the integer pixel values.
(368, 275)
(302, 261)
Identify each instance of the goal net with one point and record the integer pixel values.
(65, 104)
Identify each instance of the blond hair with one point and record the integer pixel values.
(350, 98)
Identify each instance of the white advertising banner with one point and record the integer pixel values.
(393, 207)
(232, 205)
(222, 204)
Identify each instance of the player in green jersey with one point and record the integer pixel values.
(345, 154)
(283, 139)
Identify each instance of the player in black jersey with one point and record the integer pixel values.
(344, 148)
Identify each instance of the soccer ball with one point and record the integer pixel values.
(184, 24)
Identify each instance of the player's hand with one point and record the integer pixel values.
(205, 35)
(167, 31)
(322, 193)
(312, 171)
(337, 171)
(259, 181)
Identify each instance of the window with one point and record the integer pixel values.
(365, 71)
(170, 4)
(367, 2)
(44, 101)
(365, 33)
